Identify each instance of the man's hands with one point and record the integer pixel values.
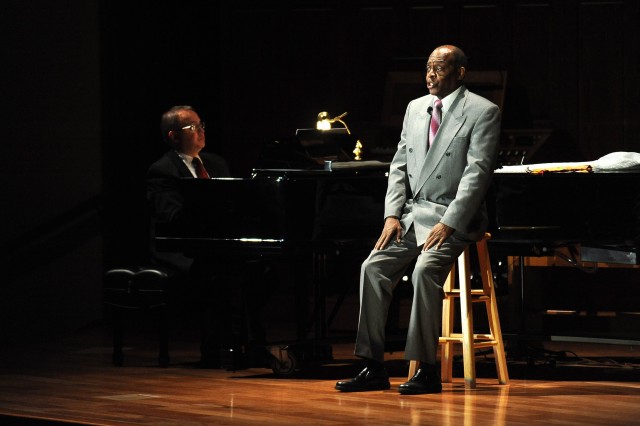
(391, 228)
(436, 237)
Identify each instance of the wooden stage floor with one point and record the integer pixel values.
(71, 380)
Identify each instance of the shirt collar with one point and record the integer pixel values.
(187, 160)
(185, 157)
(447, 101)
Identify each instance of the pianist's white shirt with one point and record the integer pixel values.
(187, 159)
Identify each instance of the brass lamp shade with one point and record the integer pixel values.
(324, 123)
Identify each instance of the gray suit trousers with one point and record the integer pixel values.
(380, 274)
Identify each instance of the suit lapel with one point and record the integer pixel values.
(450, 126)
(420, 142)
(183, 170)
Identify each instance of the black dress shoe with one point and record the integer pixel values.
(366, 380)
(420, 383)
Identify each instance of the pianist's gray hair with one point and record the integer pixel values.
(171, 121)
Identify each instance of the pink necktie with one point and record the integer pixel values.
(436, 116)
(201, 172)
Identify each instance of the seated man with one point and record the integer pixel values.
(184, 133)
(434, 208)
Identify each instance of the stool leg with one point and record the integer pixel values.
(498, 348)
(492, 312)
(466, 313)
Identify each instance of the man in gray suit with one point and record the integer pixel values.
(434, 208)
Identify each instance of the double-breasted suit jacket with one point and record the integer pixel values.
(448, 182)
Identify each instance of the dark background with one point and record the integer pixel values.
(84, 83)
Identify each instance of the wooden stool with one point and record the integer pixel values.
(467, 338)
(139, 288)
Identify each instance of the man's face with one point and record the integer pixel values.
(443, 78)
(189, 140)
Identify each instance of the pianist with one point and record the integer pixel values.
(184, 132)
(434, 208)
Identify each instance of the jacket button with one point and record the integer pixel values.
(438, 177)
(410, 149)
(448, 154)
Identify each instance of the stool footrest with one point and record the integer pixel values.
(456, 293)
(477, 336)
(485, 344)
(477, 340)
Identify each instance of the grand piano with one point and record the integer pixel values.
(301, 216)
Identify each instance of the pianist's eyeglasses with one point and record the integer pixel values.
(194, 127)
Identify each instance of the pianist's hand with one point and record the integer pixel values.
(436, 237)
(392, 228)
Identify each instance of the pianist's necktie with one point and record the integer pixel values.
(201, 172)
(436, 117)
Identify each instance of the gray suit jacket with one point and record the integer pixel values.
(448, 182)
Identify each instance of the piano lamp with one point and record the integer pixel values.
(324, 123)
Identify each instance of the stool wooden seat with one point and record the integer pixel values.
(470, 341)
(138, 288)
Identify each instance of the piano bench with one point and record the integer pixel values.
(141, 289)
(470, 341)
